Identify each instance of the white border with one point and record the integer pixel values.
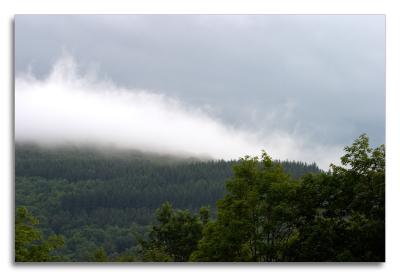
(9, 8)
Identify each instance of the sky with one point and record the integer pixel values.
(299, 86)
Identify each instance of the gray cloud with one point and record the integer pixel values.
(318, 79)
(68, 108)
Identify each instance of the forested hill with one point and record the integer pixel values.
(98, 197)
(84, 163)
(82, 204)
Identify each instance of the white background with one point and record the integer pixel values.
(9, 8)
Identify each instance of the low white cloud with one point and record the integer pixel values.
(68, 107)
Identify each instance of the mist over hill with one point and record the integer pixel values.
(94, 196)
(79, 108)
(199, 138)
(91, 162)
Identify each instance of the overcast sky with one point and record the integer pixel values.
(315, 82)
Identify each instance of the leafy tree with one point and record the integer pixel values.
(253, 220)
(341, 214)
(157, 254)
(204, 214)
(175, 235)
(100, 199)
(363, 208)
(100, 255)
(29, 245)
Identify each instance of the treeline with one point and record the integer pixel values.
(261, 213)
(266, 216)
(85, 163)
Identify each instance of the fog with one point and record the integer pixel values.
(69, 106)
(316, 77)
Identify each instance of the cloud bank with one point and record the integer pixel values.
(320, 75)
(68, 107)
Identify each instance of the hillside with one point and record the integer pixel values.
(101, 197)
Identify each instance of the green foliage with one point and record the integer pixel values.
(105, 204)
(204, 214)
(334, 216)
(29, 245)
(102, 197)
(100, 255)
(253, 220)
(156, 254)
(175, 235)
(341, 214)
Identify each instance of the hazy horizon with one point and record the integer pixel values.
(299, 87)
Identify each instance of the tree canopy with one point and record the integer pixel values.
(124, 208)
(29, 243)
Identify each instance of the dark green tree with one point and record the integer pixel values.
(254, 218)
(341, 214)
(100, 255)
(29, 244)
(204, 214)
(175, 235)
(362, 178)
